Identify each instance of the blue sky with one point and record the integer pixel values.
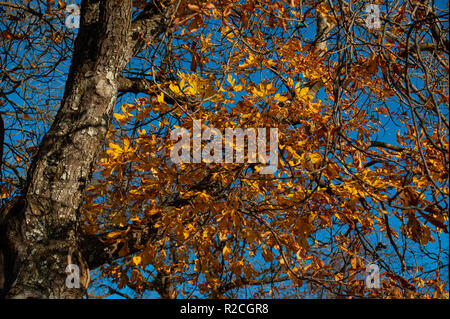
(387, 134)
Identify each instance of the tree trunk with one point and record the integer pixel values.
(39, 230)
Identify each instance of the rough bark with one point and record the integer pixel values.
(39, 231)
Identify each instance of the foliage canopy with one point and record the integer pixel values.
(363, 168)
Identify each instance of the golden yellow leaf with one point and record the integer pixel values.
(137, 260)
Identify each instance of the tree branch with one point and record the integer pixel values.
(105, 248)
(392, 147)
